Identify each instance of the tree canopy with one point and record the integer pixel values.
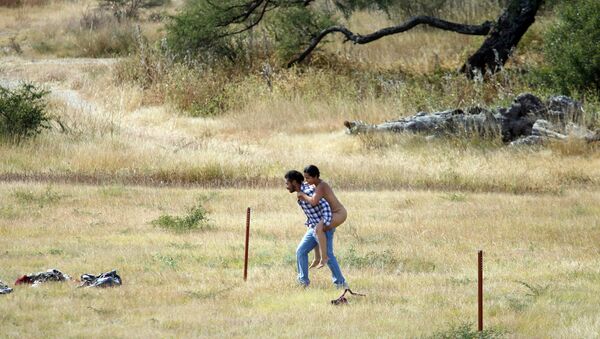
(293, 29)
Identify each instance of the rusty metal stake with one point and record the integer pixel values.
(480, 291)
(246, 247)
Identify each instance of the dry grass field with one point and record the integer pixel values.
(83, 195)
(111, 136)
(413, 252)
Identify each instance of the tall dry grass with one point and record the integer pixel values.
(110, 134)
(23, 3)
(126, 121)
(73, 29)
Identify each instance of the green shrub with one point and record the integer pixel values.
(22, 112)
(196, 219)
(197, 32)
(294, 26)
(48, 197)
(572, 48)
(225, 32)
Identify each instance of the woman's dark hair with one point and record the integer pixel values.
(312, 170)
(294, 175)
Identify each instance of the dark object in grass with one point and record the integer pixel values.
(342, 299)
(41, 277)
(107, 279)
(4, 289)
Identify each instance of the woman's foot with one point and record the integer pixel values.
(315, 263)
(322, 263)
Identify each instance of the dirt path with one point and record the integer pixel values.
(136, 180)
(68, 96)
(128, 125)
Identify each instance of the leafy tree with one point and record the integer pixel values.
(297, 27)
(22, 112)
(573, 47)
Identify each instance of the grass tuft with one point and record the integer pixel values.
(45, 198)
(196, 219)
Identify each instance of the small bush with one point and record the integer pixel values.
(294, 27)
(572, 48)
(22, 112)
(196, 219)
(48, 197)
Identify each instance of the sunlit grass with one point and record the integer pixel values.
(104, 133)
(412, 252)
(418, 210)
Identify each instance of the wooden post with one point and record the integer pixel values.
(246, 247)
(480, 291)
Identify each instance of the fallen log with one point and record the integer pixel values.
(528, 120)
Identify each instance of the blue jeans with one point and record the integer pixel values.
(308, 242)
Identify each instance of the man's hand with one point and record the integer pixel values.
(327, 228)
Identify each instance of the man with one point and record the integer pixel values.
(294, 182)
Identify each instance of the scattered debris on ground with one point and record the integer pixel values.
(342, 300)
(41, 277)
(107, 279)
(4, 289)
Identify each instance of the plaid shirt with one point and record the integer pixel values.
(314, 214)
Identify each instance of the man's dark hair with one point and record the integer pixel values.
(294, 175)
(312, 170)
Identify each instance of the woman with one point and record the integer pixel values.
(339, 214)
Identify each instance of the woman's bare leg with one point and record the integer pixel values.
(322, 244)
(317, 259)
(337, 219)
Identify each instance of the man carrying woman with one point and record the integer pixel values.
(319, 213)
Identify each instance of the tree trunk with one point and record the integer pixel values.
(503, 38)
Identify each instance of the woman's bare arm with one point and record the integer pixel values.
(319, 193)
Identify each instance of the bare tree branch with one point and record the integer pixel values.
(482, 29)
(252, 24)
(248, 9)
(243, 16)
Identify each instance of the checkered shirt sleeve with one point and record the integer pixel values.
(326, 211)
(314, 214)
